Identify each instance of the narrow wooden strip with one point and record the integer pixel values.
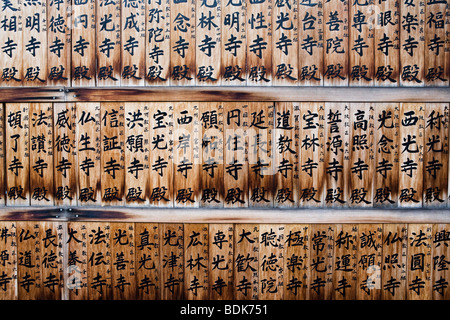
(186, 155)
(419, 285)
(89, 144)
(8, 266)
(41, 154)
(246, 261)
(386, 146)
(123, 261)
(411, 155)
(285, 154)
(285, 43)
(157, 42)
(161, 154)
(83, 44)
(112, 155)
(435, 155)
(99, 261)
(235, 155)
(148, 263)
(345, 264)
(76, 258)
(440, 254)
(311, 148)
(34, 43)
(59, 43)
(182, 43)
(296, 277)
(259, 43)
(260, 160)
(321, 262)
(228, 94)
(172, 261)
(221, 261)
(394, 262)
(2, 156)
(271, 262)
(212, 170)
(29, 277)
(137, 145)
(108, 47)
(11, 38)
(387, 41)
(196, 261)
(412, 43)
(132, 37)
(208, 42)
(369, 248)
(234, 43)
(310, 42)
(17, 154)
(362, 166)
(64, 151)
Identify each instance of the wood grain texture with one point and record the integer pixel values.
(123, 261)
(212, 148)
(29, 278)
(419, 285)
(89, 146)
(34, 43)
(297, 264)
(271, 262)
(259, 43)
(412, 43)
(411, 154)
(8, 266)
(108, 43)
(83, 46)
(435, 156)
(311, 43)
(246, 261)
(386, 148)
(148, 262)
(41, 154)
(440, 253)
(17, 154)
(58, 43)
(132, 36)
(196, 261)
(387, 44)
(3, 191)
(182, 43)
(76, 261)
(157, 42)
(112, 155)
(345, 265)
(336, 43)
(221, 261)
(394, 261)
(285, 43)
(65, 154)
(235, 155)
(11, 38)
(234, 43)
(260, 154)
(186, 155)
(285, 155)
(99, 263)
(172, 261)
(137, 152)
(312, 148)
(161, 154)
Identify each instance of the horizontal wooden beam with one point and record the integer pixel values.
(247, 215)
(296, 94)
(28, 94)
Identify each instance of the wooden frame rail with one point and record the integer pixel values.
(242, 215)
(199, 94)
